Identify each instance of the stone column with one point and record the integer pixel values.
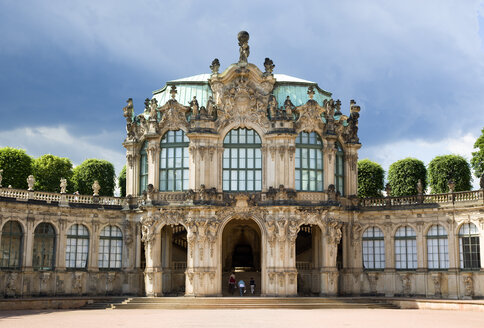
(29, 244)
(390, 275)
(329, 161)
(132, 168)
(154, 163)
(153, 272)
(203, 259)
(329, 271)
(93, 260)
(205, 160)
(454, 261)
(351, 168)
(61, 242)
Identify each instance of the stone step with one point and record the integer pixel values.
(250, 303)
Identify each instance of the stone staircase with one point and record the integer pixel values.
(251, 303)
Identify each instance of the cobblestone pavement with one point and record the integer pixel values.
(374, 318)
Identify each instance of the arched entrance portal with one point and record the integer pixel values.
(173, 259)
(241, 254)
(308, 260)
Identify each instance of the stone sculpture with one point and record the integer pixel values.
(215, 66)
(63, 185)
(31, 182)
(244, 50)
(269, 66)
(95, 188)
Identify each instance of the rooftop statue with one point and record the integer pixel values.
(244, 50)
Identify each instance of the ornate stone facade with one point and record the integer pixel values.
(293, 236)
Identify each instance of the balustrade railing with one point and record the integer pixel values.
(300, 265)
(377, 202)
(49, 197)
(448, 198)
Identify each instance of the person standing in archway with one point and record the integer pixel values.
(241, 287)
(232, 284)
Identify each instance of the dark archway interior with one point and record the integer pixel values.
(241, 246)
(241, 253)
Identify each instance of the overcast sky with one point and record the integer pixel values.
(416, 68)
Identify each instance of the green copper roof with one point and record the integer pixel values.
(197, 85)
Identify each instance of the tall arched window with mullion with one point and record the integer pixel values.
(437, 248)
(143, 168)
(373, 249)
(405, 249)
(77, 248)
(309, 162)
(174, 161)
(469, 247)
(110, 248)
(339, 169)
(242, 161)
(44, 247)
(11, 247)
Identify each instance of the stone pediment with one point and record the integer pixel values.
(242, 93)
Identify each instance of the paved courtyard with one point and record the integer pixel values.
(242, 318)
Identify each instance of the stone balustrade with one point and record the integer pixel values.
(442, 199)
(174, 197)
(50, 197)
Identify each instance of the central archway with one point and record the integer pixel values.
(241, 254)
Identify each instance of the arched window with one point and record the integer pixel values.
(339, 169)
(11, 247)
(44, 247)
(437, 248)
(143, 168)
(373, 249)
(110, 248)
(174, 161)
(309, 162)
(77, 248)
(242, 164)
(405, 249)
(470, 255)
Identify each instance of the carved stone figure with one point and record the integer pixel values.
(288, 106)
(95, 188)
(211, 107)
(334, 231)
(451, 185)
(1, 172)
(273, 107)
(269, 66)
(153, 109)
(215, 66)
(194, 107)
(128, 110)
(281, 225)
(63, 185)
(147, 231)
(244, 50)
(388, 190)
(31, 182)
(352, 128)
(293, 229)
(419, 187)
